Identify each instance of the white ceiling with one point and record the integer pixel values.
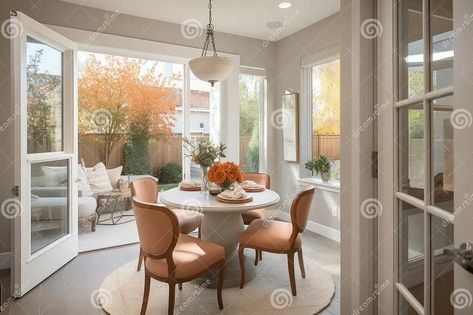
(240, 17)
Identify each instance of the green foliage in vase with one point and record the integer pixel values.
(203, 152)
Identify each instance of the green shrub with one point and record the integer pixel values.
(170, 173)
(136, 152)
(253, 151)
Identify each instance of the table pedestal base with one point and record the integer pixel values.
(225, 229)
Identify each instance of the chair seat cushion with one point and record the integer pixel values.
(269, 235)
(252, 215)
(191, 257)
(188, 220)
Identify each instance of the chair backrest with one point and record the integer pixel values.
(259, 178)
(300, 209)
(158, 229)
(145, 189)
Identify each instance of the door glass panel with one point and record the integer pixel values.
(411, 249)
(411, 45)
(250, 105)
(442, 266)
(49, 202)
(411, 150)
(199, 119)
(404, 307)
(441, 28)
(44, 71)
(442, 155)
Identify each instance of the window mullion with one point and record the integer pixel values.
(186, 119)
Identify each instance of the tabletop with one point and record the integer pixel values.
(198, 201)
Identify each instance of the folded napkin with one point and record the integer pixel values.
(250, 184)
(237, 193)
(189, 184)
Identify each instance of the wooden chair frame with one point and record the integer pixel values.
(171, 278)
(258, 253)
(290, 252)
(133, 193)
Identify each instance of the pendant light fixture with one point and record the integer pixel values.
(211, 68)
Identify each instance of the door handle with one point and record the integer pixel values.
(463, 255)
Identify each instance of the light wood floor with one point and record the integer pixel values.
(68, 291)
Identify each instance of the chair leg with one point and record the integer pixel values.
(221, 276)
(180, 286)
(242, 267)
(199, 232)
(94, 223)
(144, 304)
(292, 278)
(140, 260)
(172, 294)
(256, 257)
(301, 262)
(260, 255)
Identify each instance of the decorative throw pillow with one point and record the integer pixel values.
(98, 178)
(83, 186)
(114, 175)
(55, 175)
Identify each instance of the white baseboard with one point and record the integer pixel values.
(314, 227)
(5, 260)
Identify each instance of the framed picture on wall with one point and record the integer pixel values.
(290, 126)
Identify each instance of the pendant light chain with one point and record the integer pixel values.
(210, 35)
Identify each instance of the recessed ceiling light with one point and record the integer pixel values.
(274, 25)
(285, 4)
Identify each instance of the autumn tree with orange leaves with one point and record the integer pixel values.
(116, 93)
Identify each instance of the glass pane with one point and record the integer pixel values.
(49, 202)
(199, 117)
(441, 27)
(326, 114)
(411, 249)
(44, 97)
(411, 49)
(442, 266)
(250, 105)
(404, 307)
(411, 150)
(442, 154)
(131, 114)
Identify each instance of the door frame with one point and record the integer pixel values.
(357, 57)
(53, 256)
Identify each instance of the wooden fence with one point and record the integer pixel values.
(163, 150)
(327, 145)
(169, 149)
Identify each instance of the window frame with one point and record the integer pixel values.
(263, 109)
(322, 56)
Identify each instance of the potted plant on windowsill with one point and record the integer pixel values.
(320, 165)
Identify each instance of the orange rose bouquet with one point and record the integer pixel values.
(225, 174)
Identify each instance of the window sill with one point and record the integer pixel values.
(332, 186)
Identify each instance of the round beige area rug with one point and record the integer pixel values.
(269, 292)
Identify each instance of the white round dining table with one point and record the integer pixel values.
(222, 223)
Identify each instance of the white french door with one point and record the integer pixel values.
(45, 232)
(425, 157)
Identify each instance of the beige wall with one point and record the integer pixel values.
(289, 52)
(281, 61)
(252, 53)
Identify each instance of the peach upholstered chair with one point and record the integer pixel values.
(171, 256)
(280, 237)
(146, 190)
(250, 216)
